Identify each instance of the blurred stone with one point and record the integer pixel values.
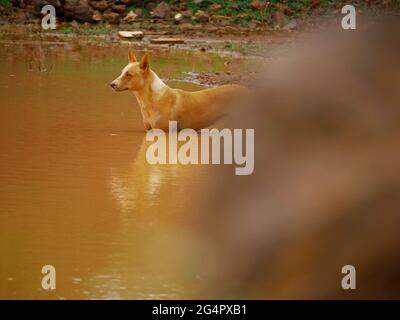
(78, 10)
(227, 30)
(38, 4)
(111, 17)
(131, 34)
(97, 16)
(185, 27)
(290, 26)
(178, 17)
(23, 17)
(130, 17)
(120, 8)
(257, 4)
(183, 17)
(215, 7)
(101, 5)
(201, 16)
(162, 10)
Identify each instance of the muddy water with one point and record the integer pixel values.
(76, 191)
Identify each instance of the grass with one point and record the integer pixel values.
(241, 7)
(247, 12)
(92, 30)
(142, 7)
(5, 3)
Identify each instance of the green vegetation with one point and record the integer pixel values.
(141, 7)
(5, 3)
(244, 48)
(242, 10)
(92, 30)
(230, 9)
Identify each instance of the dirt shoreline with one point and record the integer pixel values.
(232, 48)
(261, 43)
(248, 44)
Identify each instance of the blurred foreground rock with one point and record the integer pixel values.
(326, 187)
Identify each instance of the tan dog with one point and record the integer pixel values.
(159, 103)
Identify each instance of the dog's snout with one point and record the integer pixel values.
(113, 85)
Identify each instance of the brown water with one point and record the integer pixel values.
(76, 191)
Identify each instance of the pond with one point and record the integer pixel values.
(76, 191)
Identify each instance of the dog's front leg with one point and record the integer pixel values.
(146, 123)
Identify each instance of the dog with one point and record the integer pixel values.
(160, 103)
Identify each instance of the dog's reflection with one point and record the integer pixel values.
(154, 202)
(158, 188)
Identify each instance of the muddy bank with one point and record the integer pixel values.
(235, 51)
(262, 38)
(188, 16)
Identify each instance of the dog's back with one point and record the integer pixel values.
(200, 109)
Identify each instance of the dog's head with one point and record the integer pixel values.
(133, 76)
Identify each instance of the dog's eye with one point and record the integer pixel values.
(127, 75)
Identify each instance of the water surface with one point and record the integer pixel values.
(75, 189)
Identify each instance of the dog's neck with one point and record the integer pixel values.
(152, 91)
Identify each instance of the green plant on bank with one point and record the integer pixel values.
(243, 47)
(242, 8)
(92, 30)
(5, 3)
(300, 6)
(141, 7)
(242, 12)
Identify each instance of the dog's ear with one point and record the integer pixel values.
(144, 63)
(131, 56)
